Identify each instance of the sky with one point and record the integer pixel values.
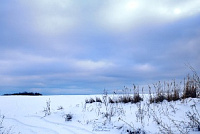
(84, 47)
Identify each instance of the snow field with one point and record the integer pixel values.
(25, 115)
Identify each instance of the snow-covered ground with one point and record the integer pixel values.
(30, 115)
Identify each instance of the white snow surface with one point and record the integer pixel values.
(25, 115)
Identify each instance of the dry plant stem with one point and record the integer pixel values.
(183, 129)
(164, 128)
(196, 76)
(127, 124)
(2, 130)
(194, 118)
(47, 109)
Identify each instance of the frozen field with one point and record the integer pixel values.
(69, 114)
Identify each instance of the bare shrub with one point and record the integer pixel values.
(164, 128)
(173, 91)
(125, 99)
(136, 98)
(169, 91)
(47, 109)
(127, 96)
(91, 100)
(110, 100)
(192, 85)
(159, 96)
(194, 118)
(109, 109)
(98, 100)
(190, 88)
(196, 77)
(68, 117)
(175, 95)
(140, 113)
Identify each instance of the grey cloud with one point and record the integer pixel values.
(71, 47)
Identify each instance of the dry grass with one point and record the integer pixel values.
(173, 91)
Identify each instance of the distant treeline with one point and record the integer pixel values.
(25, 93)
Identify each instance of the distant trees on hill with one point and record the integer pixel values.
(25, 93)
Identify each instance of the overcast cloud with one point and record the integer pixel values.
(83, 47)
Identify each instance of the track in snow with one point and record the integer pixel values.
(54, 127)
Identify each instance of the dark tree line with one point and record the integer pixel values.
(25, 93)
